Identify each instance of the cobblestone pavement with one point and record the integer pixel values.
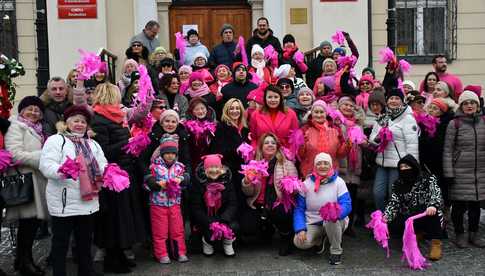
(361, 256)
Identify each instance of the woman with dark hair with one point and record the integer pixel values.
(137, 52)
(274, 117)
(169, 94)
(427, 86)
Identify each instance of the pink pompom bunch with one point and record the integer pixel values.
(337, 117)
(385, 137)
(346, 61)
(136, 145)
(271, 55)
(220, 231)
(69, 169)
(241, 46)
(380, 230)
(289, 187)
(6, 160)
(338, 37)
(295, 141)
(246, 151)
(145, 90)
(180, 46)
(405, 66)
(331, 212)
(200, 128)
(89, 65)
(429, 122)
(356, 135)
(115, 178)
(255, 170)
(386, 55)
(410, 248)
(173, 189)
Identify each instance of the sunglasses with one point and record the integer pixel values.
(284, 86)
(136, 45)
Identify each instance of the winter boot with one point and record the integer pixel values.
(475, 240)
(461, 241)
(207, 248)
(227, 246)
(435, 250)
(285, 244)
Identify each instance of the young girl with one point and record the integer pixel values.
(198, 88)
(184, 75)
(258, 67)
(223, 77)
(200, 65)
(165, 213)
(213, 200)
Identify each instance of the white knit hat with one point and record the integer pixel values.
(282, 71)
(198, 55)
(322, 156)
(410, 83)
(468, 96)
(257, 49)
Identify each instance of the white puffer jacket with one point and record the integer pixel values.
(405, 133)
(54, 153)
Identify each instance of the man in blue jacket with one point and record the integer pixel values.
(225, 52)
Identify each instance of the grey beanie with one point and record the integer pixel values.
(326, 43)
(225, 27)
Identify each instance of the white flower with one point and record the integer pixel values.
(13, 72)
(2, 66)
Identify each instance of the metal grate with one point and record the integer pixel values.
(426, 28)
(8, 29)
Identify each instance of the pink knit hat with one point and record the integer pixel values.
(212, 160)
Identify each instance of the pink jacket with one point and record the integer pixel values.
(284, 123)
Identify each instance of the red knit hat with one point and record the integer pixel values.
(440, 104)
(211, 160)
(368, 79)
(477, 89)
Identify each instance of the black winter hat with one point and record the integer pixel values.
(167, 62)
(78, 110)
(192, 32)
(395, 92)
(288, 38)
(371, 70)
(31, 100)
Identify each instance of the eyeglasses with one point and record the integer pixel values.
(285, 86)
(136, 45)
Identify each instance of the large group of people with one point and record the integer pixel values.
(416, 148)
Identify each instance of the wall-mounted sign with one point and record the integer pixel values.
(77, 9)
(186, 28)
(298, 16)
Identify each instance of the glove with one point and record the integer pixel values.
(152, 184)
(298, 57)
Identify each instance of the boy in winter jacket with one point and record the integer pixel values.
(213, 200)
(164, 184)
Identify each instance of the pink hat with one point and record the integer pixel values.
(477, 89)
(196, 76)
(211, 160)
(103, 67)
(319, 103)
(368, 79)
(256, 95)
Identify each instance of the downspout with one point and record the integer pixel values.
(369, 32)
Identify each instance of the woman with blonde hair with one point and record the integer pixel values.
(231, 132)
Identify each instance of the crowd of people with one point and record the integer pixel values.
(407, 148)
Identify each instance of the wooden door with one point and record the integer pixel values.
(210, 20)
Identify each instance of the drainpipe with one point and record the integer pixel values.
(391, 24)
(42, 46)
(369, 32)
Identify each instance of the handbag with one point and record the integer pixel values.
(17, 189)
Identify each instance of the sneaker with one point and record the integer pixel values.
(183, 259)
(335, 259)
(227, 246)
(207, 248)
(165, 260)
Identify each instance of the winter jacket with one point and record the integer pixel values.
(180, 104)
(273, 191)
(25, 145)
(315, 70)
(269, 40)
(423, 194)
(226, 141)
(63, 195)
(283, 125)
(370, 119)
(405, 134)
(325, 139)
(53, 113)
(308, 203)
(237, 90)
(223, 53)
(161, 171)
(149, 43)
(192, 50)
(302, 113)
(464, 157)
(227, 212)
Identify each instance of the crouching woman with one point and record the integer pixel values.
(323, 186)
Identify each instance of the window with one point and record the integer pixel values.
(8, 29)
(426, 28)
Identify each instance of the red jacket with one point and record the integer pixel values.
(282, 126)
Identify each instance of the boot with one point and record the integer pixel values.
(475, 240)
(461, 241)
(28, 269)
(113, 264)
(435, 250)
(207, 248)
(227, 246)
(285, 244)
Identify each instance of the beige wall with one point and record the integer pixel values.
(303, 33)
(470, 62)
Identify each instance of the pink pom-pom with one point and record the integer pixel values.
(337, 117)
(380, 230)
(288, 153)
(271, 55)
(246, 151)
(180, 45)
(295, 141)
(299, 57)
(386, 55)
(5, 160)
(220, 231)
(70, 169)
(338, 37)
(242, 49)
(331, 212)
(115, 178)
(89, 65)
(343, 61)
(200, 128)
(429, 122)
(356, 135)
(136, 145)
(385, 137)
(405, 66)
(255, 170)
(145, 90)
(410, 248)
(173, 189)
(289, 187)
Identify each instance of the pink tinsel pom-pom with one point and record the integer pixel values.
(136, 145)
(429, 122)
(69, 169)
(173, 189)
(89, 65)
(145, 90)
(386, 55)
(220, 231)
(410, 248)
(380, 230)
(337, 117)
(254, 170)
(405, 66)
(385, 137)
(246, 151)
(330, 211)
(180, 45)
(295, 141)
(346, 60)
(115, 178)
(271, 55)
(242, 49)
(299, 57)
(199, 128)
(289, 187)
(5, 160)
(338, 37)
(356, 135)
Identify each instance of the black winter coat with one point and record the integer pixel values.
(53, 113)
(198, 208)
(236, 90)
(270, 40)
(315, 70)
(223, 53)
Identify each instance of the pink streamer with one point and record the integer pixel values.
(89, 65)
(115, 178)
(145, 90)
(356, 135)
(380, 230)
(213, 197)
(386, 55)
(429, 122)
(173, 189)
(289, 187)
(180, 45)
(220, 231)
(295, 141)
(242, 48)
(200, 128)
(405, 66)
(70, 169)
(246, 151)
(331, 211)
(338, 37)
(346, 61)
(386, 137)
(255, 170)
(299, 57)
(136, 145)
(410, 248)
(6, 160)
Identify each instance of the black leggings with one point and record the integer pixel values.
(25, 239)
(430, 225)
(258, 221)
(458, 209)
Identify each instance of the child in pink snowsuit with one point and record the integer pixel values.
(164, 184)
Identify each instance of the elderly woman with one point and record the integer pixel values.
(464, 167)
(260, 216)
(71, 207)
(24, 140)
(399, 120)
(120, 224)
(321, 187)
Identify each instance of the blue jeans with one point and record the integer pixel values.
(385, 178)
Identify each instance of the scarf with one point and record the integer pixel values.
(37, 127)
(353, 153)
(202, 91)
(213, 197)
(363, 100)
(319, 179)
(83, 148)
(259, 66)
(111, 111)
(390, 114)
(222, 83)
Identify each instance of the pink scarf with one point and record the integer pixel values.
(363, 100)
(319, 179)
(354, 153)
(202, 91)
(213, 197)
